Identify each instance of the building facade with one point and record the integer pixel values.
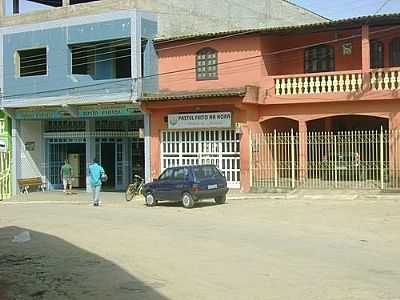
(287, 105)
(70, 87)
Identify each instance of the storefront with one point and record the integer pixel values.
(199, 129)
(111, 133)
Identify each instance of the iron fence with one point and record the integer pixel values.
(326, 160)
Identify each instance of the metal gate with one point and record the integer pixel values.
(217, 147)
(326, 160)
(5, 175)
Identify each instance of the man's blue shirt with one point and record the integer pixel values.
(95, 171)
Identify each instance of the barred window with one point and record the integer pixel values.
(207, 64)
(319, 59)
(395, 52)
(376, 54)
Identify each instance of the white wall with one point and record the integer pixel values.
(31, 161)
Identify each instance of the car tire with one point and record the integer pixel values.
(150, 200)
(187, 200)
(220, 199)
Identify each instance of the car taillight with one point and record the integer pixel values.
(195, 188)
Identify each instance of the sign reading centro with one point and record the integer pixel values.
(200, 120)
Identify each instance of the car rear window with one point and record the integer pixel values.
(205, 171)
(181, 173)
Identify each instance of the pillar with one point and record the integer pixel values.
(2, 8)
(90, 149)
(303, 150)
(245, 180)
(16, 170)
(156, 125)
(147, 148)
(65, 3)
(365, 57)
(394, 148)
(15, 7)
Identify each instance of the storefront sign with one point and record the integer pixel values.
(93, 111)
(200, 120)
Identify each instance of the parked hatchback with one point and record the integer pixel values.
(188, 185)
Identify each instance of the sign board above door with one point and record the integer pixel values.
(200, 120)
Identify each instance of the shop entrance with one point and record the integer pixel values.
(108, 163)
(58, 151)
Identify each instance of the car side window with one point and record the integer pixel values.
(168, 174)
(181, 174)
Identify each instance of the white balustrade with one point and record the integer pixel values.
(319, 83)
(383, 80)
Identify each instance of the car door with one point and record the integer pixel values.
(164, 185)
(180, 183)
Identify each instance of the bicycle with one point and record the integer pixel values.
(134, 188)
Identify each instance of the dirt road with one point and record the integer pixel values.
(242, 250)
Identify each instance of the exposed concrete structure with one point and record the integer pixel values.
(178, 17)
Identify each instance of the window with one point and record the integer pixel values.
(319, 59)
(207, 64)
(181, 174)
(83, 59)
(32, 62)
(167, 175)
(395, 53)
(205, 172)
(376, 54)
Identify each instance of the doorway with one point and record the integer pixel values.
(108, 163)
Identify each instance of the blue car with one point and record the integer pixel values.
(188, 184)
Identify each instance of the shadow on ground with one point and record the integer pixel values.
(200, 204)
(50, 268)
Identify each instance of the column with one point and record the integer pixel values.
(245, 160)
(90, 148)
(15, 7)
(16, 155)
(147, 148)
(394, 149)
(303, 149)
(2, 8)
(65, 3)
(365, 57)
(156, 125)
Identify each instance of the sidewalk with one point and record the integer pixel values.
(82, 197)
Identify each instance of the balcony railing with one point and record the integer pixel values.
(318, 83)
(385, 79)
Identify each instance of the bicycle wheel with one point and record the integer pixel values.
(130, 192)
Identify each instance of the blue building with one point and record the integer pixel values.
(70, 87)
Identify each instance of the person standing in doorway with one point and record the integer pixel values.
(96, 173)
(66, 175)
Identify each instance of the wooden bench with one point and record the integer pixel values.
(26, 183)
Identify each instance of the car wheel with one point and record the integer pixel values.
(150, 200)
(187, 200)
(220, 199)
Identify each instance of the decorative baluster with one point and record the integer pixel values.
(353, 82)
(289, 86)
(306, 84)
(312, 84)
(323, 84)
(347, 83)
(380, 81)
(329, 84)
(392, 80)
(300, 86)
(317, 84)
(397, 79)
(373, 81)
(335, 83)
(359, 81)
(341, 83)
(278, 87)
(386, 81)
(284, 86)
(294, 86)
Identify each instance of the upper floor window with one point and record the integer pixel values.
(319, 59)
(376, 54)
(395, 52)
(32, 62)
(206, 64)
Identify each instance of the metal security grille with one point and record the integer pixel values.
(217, 147)
(326, 160)
(5, 175)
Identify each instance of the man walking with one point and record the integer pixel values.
(66, 175)
(96, 173)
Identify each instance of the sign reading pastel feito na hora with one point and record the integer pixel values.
(200, 120)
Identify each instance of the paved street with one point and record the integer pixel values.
(246, 249)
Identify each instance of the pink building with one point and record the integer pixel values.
(222, 94)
